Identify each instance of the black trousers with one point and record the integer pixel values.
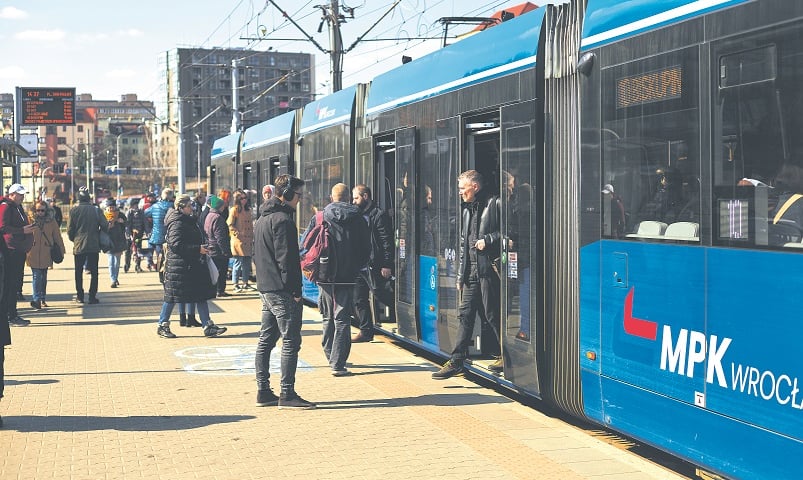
(222, 264)
(12, 279)
(91, 260)
(371, 281)
(479, 295)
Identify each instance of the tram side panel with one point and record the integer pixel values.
(684, 342)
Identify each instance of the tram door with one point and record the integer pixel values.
(405, 233)
(520, 301)
(446, 207)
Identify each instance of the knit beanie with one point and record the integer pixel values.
(215, 201)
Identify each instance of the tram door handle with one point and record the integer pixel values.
(619, 270)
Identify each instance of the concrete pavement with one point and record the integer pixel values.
(92, 392)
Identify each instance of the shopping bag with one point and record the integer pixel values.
(56, 254)
(213, 273)
(105, 242)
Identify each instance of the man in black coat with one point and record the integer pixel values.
(279, 282)
(376, 276)
(477, 283)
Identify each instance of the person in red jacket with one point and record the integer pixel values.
(17, 236)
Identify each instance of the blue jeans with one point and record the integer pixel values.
(336, 303)
(203, 312)
(240, 264)
(281, 318)
(39, 283)
(114, 265)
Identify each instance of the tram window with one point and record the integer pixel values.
(758, 155)
(650, 135)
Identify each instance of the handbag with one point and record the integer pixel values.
(55, 253)
(105, 242)
(213, 272)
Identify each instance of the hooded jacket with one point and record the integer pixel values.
(217, 234)
(352, 239)
(276, 249)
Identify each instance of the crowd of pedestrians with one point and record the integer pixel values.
(193, 242)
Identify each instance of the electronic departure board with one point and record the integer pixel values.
(46, 106)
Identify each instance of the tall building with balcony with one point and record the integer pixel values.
(204, 91)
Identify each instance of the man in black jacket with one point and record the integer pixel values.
(376, 276)
(477, 284)
(279, 282)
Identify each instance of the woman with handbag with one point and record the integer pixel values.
(46, 238)
(186, 276)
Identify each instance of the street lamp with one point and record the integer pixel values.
(117, 156)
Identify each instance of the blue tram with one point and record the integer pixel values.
(649, 161)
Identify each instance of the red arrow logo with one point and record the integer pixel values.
(636, 326)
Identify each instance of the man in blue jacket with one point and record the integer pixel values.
(157, 214)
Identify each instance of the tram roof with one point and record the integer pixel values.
(225, 146)
(330, 110)
(607, 21)
(273, 130)
(501, 50)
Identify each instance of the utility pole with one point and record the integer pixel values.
(333, 18)
(180, 162)
(235, 99)
(336, 41)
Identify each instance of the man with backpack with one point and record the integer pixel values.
(349, 246)
(279, 283)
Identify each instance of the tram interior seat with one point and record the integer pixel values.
(683, 231)
(649, 229)
(785, 233)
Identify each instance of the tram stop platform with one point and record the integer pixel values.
(93, 393)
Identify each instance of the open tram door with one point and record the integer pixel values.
(376, 168)
(520, 265)
(405, 233)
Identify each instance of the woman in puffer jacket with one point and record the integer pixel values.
(186, 276)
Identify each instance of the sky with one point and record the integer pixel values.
(110, 48)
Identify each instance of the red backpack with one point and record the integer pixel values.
(318, 262)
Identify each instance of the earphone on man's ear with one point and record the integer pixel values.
(288, 193)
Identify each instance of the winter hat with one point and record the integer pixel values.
(215, 201)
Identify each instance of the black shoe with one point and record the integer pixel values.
(79, 299)
(223, 294)
(497, 366)
(138, 269)
(292, 401)
(192, 322)
(18, 322)
(362, 338)
(93, 301)
(266, 398)
(214, 331)
(44, 304)
(36, 305)
(164, 331)
(182, 319)
(449, 369)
